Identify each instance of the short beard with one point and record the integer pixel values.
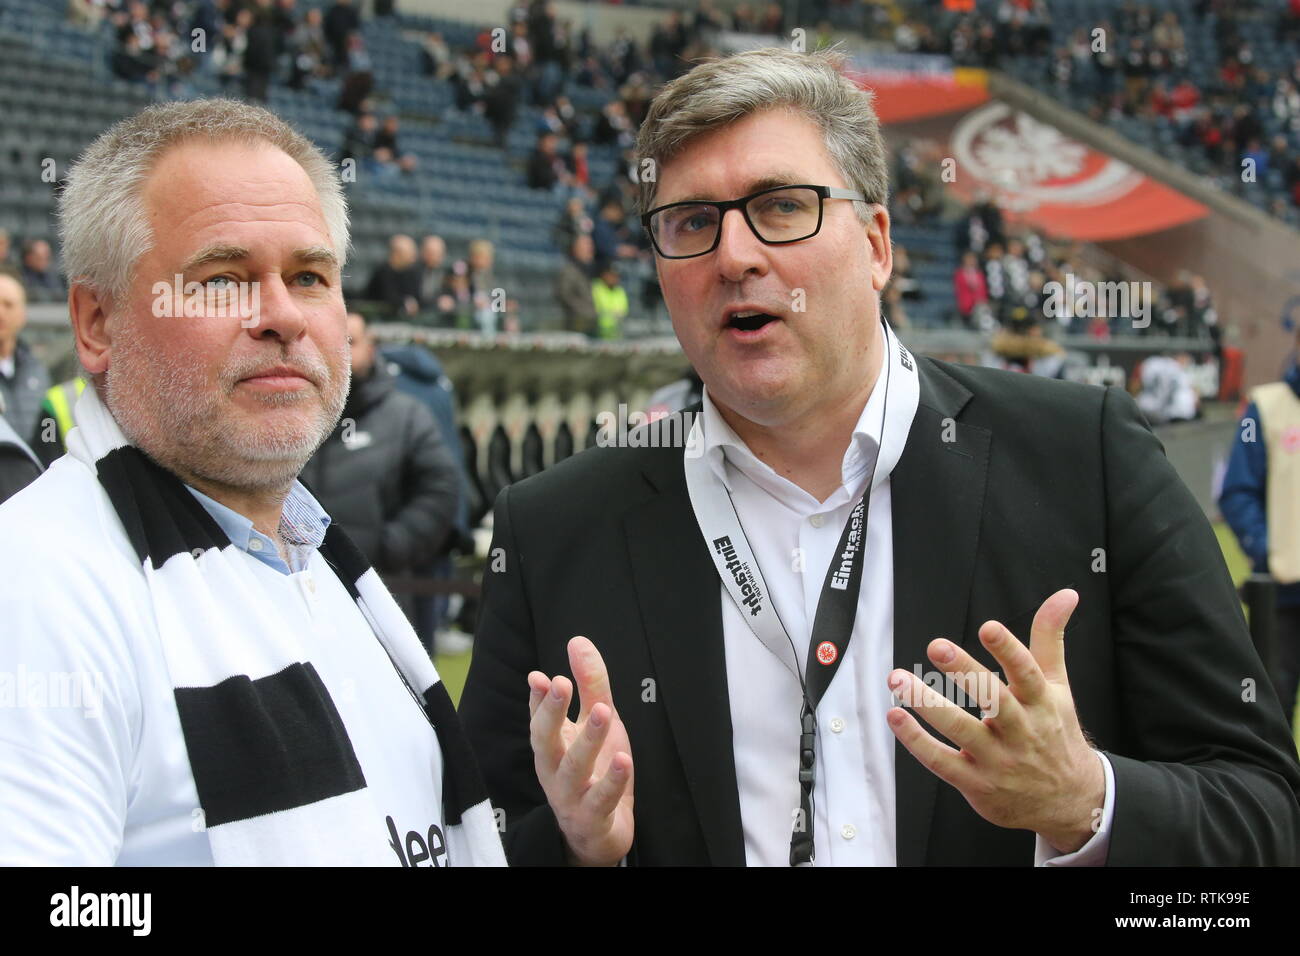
(177, 420)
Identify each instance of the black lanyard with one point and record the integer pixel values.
(836, 608)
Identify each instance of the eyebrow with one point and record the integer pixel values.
(770, 181)
(227, 252)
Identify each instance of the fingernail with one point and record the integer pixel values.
(944, 652)
(555, 692)
(596, 719)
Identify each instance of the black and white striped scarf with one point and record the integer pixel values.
(275, 770)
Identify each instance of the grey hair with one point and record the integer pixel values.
(102, 223)
(720, 91)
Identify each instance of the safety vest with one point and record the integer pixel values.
(611, 306)
(1279, 412)
(58, 403)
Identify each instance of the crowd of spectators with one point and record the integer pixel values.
(1141, 64)
(246, 45)
(1147, 75)
(1013, 277)
(540, 57)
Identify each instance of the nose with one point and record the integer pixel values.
(272, 310)
(739, 251)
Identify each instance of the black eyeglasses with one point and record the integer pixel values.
(781, 214)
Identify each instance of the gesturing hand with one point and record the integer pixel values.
(1028, 764)
(585, 768)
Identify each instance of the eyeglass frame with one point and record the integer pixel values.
(823, 193)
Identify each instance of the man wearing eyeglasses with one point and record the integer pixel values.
(850, 527)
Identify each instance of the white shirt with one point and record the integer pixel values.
(103, 777)
(787, 528)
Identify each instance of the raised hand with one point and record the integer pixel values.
(585, 768)
(1027, 764)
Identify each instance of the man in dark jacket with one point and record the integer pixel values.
(19, 467)
(341, 20)
(396, 282)
(262, 52)
(385, 474)
(420, 375)
(23, 379)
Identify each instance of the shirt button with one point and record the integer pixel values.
(837, 725)
(848, 831)
(254, 544)
(817, 521)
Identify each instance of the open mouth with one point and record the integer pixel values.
(750, 321)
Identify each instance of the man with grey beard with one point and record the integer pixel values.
(208, 670)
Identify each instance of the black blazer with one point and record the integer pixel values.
(1044, 482)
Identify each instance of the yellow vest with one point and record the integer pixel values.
(1279, 413)
(611, 306)
(59, 401)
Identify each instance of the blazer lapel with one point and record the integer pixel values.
(937, 489)
(681, 613)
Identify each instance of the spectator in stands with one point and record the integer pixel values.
(614, 126)
(23, 379)
(260, 52)
(610, 232)
(1016, 265)
(546, 167)
(359, 80)
(981, 225)
(1260, 501)
(1168, 394)
(438, 61)
(483, 284)
(359, 141)
(573, 287)
(579, 167)
(40, 277)
(995, 279)
(6, 249)
(455, 304)
(433, 251)
(308, 50)
(667, 43)
(341, 21)
(395, 284)
(132, 64)
(970, 287)
(573, 222)
(610, 300)
(386, 474)
(569, 118)
(501, 98)
(902, 277)
(229, 54)
(388, 155)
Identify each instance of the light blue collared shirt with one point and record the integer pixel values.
(302, 526)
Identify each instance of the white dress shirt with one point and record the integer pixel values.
(793, 537)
